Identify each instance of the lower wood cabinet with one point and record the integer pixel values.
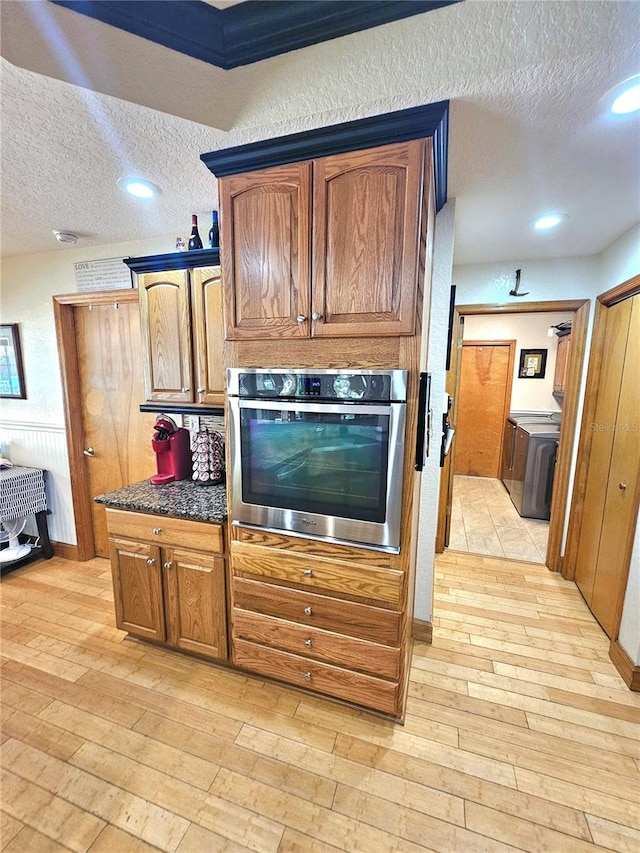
(171, 595)
(328, 624)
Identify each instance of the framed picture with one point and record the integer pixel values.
(533, 363)
(11, 372)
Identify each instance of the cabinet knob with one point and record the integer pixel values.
(200, 390)
(622, 486)
(168, 565)
(184, 390)
(157, 530)
(307, 676)
(308, 643)
(308, 611)
(308, 573)
(151, 561)
(301, 318)
(89, 451)
(316, 316)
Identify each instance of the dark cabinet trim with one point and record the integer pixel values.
(429, 120)
(175, 261)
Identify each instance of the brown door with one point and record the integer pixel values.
(486, 374)
(117, 436)
(610, 511)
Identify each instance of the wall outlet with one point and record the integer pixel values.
(191, 422)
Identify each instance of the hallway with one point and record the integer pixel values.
(485, 521)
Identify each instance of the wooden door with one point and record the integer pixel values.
(562, 363)
(206, 302)
(137, 589)
(165, 314)
(486, 375)
(265, 253)
(610, 510)
(195, 602)
(366, 223)
(117, 436)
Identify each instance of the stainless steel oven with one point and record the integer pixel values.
(318, 453)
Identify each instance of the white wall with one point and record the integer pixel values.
(34, 428)
(530, 331)
(438, 332)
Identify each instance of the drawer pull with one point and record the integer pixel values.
(151, 561)
(307, 676)
(157, 530)
(168, 565)
(308, 573)
(308, 611)
(308, 643)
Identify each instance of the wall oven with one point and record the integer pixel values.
(318, 453)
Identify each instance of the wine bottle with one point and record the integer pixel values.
(214, 231)
(194, 239)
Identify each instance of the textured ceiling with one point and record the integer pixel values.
(527, 131)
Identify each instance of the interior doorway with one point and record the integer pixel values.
(108, 438)
(578, 310)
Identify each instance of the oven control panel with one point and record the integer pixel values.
(306, 384)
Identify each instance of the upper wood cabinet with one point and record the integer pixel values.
(181, 315)
(562, 363)
(325, 248)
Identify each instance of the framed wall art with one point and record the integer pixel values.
(533, 363)
(11, 372)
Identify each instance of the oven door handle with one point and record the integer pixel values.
(319, 408)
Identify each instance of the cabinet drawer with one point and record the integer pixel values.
(166, 530)
(319, 572)
(366, 690)
(317, 644)
(320, 611)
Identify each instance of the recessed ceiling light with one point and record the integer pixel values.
(138, 187)
(624, 99)
(547, 221)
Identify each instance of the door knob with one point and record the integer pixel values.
(622, 486)
(301, 318)
(89, 451)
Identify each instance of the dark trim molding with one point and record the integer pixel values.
(250, 31)
(181, 409)
(399, 126)
(175, 261)
(422, 631)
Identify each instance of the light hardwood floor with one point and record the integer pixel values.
(519, 733)
(485, 521)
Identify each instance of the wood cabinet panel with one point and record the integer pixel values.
(265, 252)
(366, 209)
(179, 532)
(562, 363)
(319, 572)
(321, 611)
(317, 644)
(137, 589)
(366, 690)
(194, 602)
(206, 301)
(166, 335)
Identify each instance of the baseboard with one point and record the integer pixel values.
(629, 671)
(64, 549)
(422, 631)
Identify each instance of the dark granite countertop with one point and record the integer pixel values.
(182, 499)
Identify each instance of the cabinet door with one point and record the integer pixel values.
(366, 224)
(265, 252)
(206, 299)
(166, 336)
(562, 359)
(137, 588)
(195, 602)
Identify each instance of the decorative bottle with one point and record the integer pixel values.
(194, 239)
(214, 231)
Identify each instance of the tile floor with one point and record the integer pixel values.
(484, 521)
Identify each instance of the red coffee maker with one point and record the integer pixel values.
(173, 455)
